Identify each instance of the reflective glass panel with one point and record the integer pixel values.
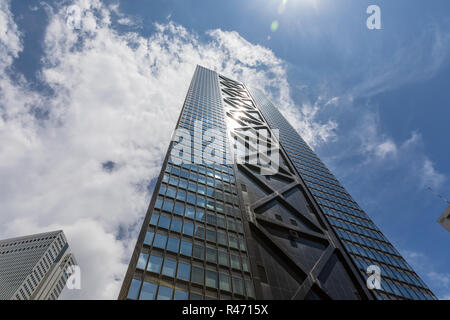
(169, 267)
(154, 264)
(148, 291)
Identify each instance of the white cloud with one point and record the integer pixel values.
(385, 148)
(332, 101)
(304, 120)
(10, 44)
(419, 60)
(430, 177)
(117, 98)
(375, 146)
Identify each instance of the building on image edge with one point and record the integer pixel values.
(34, 267)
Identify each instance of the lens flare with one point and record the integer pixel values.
(274, 26)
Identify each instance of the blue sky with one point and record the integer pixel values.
(373, 104)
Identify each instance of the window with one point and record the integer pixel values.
(224, 282)
(175, 171)
(188, 228)
(160, 241)
(164, 222)
(195, 296)
(211, 255)
(197, 275)
(154, 219)
(210, 205)
(238, 286)
(211, 235)
(181, 195)
(179, 209)
(199, 251)
(231, 224)
(168, 205)
(148, 291)
(186, 248)
(169, 267)
(239, 227)
(219, 207)
(249, 288)
(233, 242)
(200, 215)
(192, 187)
(242, 244)
(211, 219)
(221, 221)
(171, 192)
(278, 217)
(154, 264)
(201, 201)
(223, 258)
(134, 289)
(173, 181)
(173, 244)
(235, 262)
(180, 295)
(201, 189)
(184, 271)
(149, 238)
(191, 198)
(183, 184)
(190, 212)
(211, 279)
(245, 266)
(202, 179)
(200, 232)
(142, 261)
(158, 203)
(222, 238)
(176, 225)
(184, 173)
(164, 293)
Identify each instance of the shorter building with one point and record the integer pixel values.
(34, 267)
(444, 220)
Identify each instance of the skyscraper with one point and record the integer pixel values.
(34, 267)
(444, 219)
(262, 219)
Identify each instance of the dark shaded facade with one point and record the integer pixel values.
(230, 230)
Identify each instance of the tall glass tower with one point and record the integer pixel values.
(244, 209)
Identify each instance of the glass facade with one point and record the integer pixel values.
(194, 246)
(365, 243)
(194, 243)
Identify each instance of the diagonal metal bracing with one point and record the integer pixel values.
(243, 110)
(309, 280)
(314, 274)
(307, 233)
(277, 194)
